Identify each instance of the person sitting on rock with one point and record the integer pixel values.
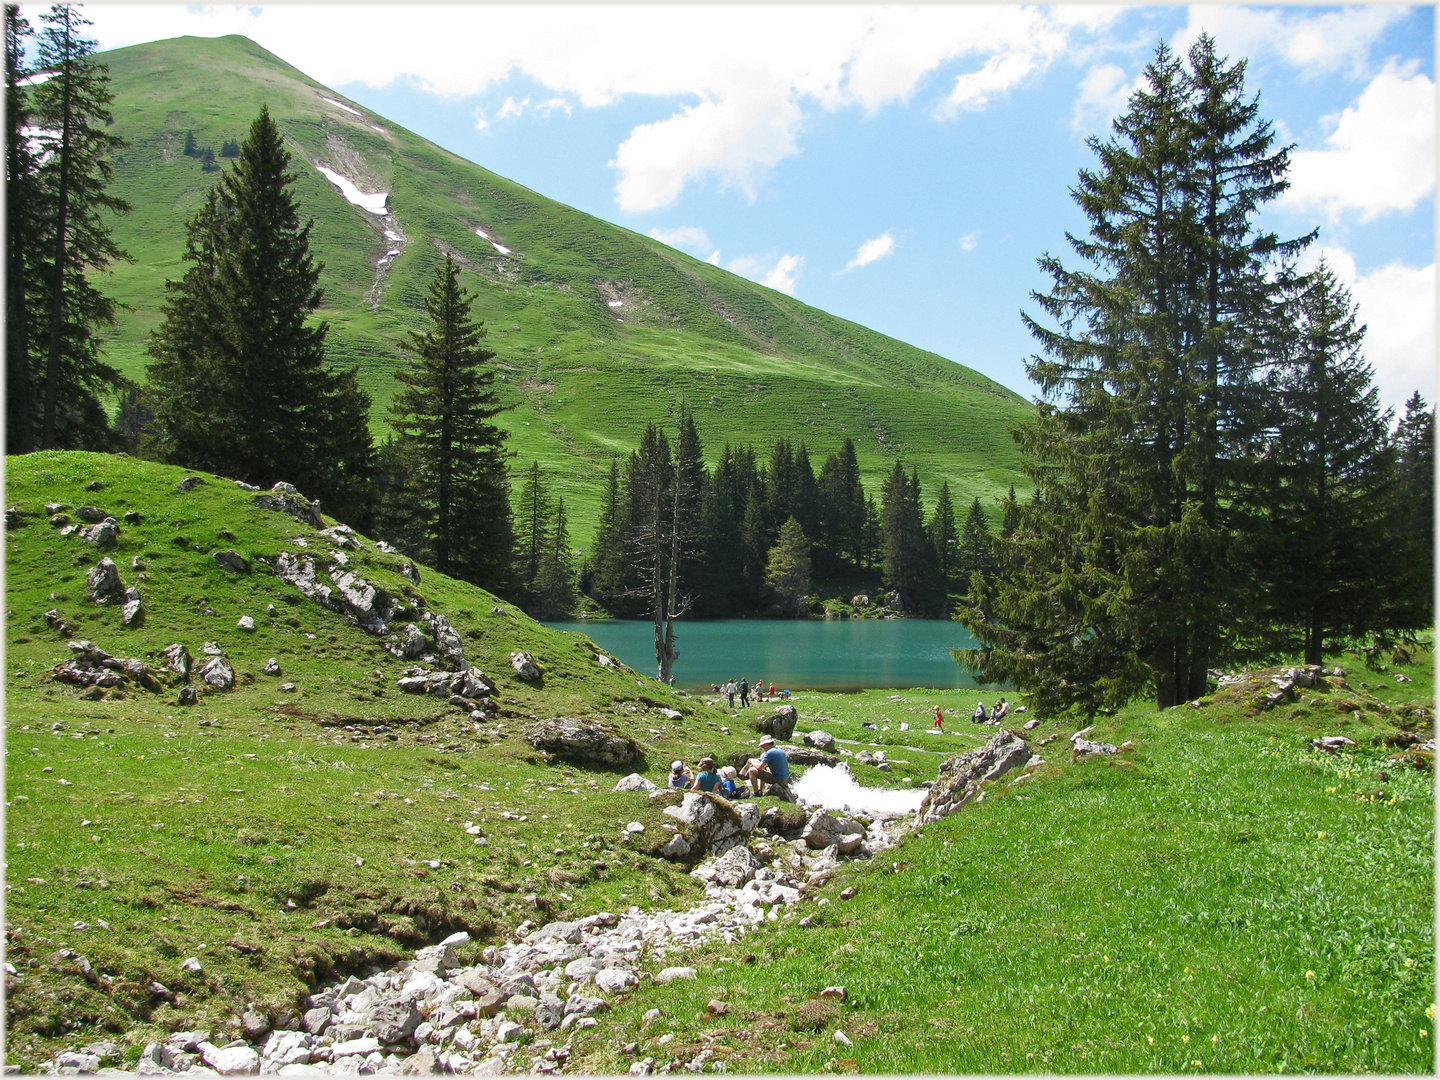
(727, 786)
(707, 778)
(773, 769)
(680, 777)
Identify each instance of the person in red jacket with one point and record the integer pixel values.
(939, 719)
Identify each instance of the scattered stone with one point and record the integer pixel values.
(272, 666)
(825, 829)
(232, 561)
(820, 740)
(191, 964)
(186, 696)
(670, 974)
(525, 667)
(91, 514)
(254, 1024)
(841, 1039)
(246, 623)
(848, 893)
(284, 498)
(716, 1007)
(103, 580)
(1332, 744)
(672, 714)
(636, 782)
(177, 659)
(190, 483)
(218, 673)
(131, 615)
(1030, 725)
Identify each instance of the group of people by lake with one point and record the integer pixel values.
(770, 771)
(747, 691)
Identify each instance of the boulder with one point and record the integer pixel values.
(284, 498)
(780, 723)
(272, 666)
(707, 826)
(580, 1005)
(636, 782)
(393, 1023)
(177, 659)
(254, 1024)
(472, 683)
(186, 696)
(731, 870)
(805, 755)
(592, 741)
(232, 561)
(820, 740)
(960, 776)
(525, 667)
(190, 483)
(825, 829)
(672, 714)
(1332, 744)
(447, 638)
(615, 980)
(102, 534)
(246, 623)
(103, 580)
(91, 514)
(218, 673)
(131, 614)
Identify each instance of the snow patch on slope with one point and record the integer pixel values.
(498, 247)
(375, 203)
(342, 105)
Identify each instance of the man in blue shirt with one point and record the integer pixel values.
(773, 768)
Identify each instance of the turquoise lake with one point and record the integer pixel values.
(834, 655)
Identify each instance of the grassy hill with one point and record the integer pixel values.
(1219, 898)
(598, 329)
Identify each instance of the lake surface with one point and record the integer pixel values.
(801, 654)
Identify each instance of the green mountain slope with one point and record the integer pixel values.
(598, 329)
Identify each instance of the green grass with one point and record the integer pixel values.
(1185, 889)
(752, 363)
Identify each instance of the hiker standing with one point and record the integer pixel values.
(730, 692)
(939, 719)
(744, 693)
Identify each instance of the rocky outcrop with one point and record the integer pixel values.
(92, 667)
(131, 615)
(284, 498)
(825, 829)
(594, 742)
(804, 756)
(960, 776)
(780, 723)
(177, 659)
(636, 782)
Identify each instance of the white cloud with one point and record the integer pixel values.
(1381, 155)
(746, 77)
(1317, 44)
(871, 250)
(512, 108)
(481, 122)
(781, 274)
(1104, 92)
(1396, 304)
(686, 238)
(970, 241)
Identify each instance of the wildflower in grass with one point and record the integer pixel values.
(1214, 1038)
(1409, 963)
(1198, 1064)
(1152, 1037)
(1310, 974)
(1185, 1038)
(1321, 836)
(1430, 1011)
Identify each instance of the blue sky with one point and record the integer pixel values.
(901, 167)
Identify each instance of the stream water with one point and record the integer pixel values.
(836, 655)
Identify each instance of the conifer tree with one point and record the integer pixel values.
(975, 548)
(1010, 520)
(1413, 606)
(1328, 562)
(554, 583)
(22, 257)
(945, 539)
(240, 379)
(532, 514)
(909, 560)
(608, 560)
(443, 416)
(842, 507)
(787, 569)
(71, 214)
(1150, 403)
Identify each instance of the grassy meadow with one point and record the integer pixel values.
(1219, 898)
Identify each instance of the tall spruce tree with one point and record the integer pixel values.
(66, 217)
(842, 508)
(553, 586)
(1413, 606)
(909, 558)
(1148, 375)
(443, 416)
(945, 539)
(532, 515)
(22, 257)
(607, 561)
(240, 380)
(1328, 559)
(976, 556)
